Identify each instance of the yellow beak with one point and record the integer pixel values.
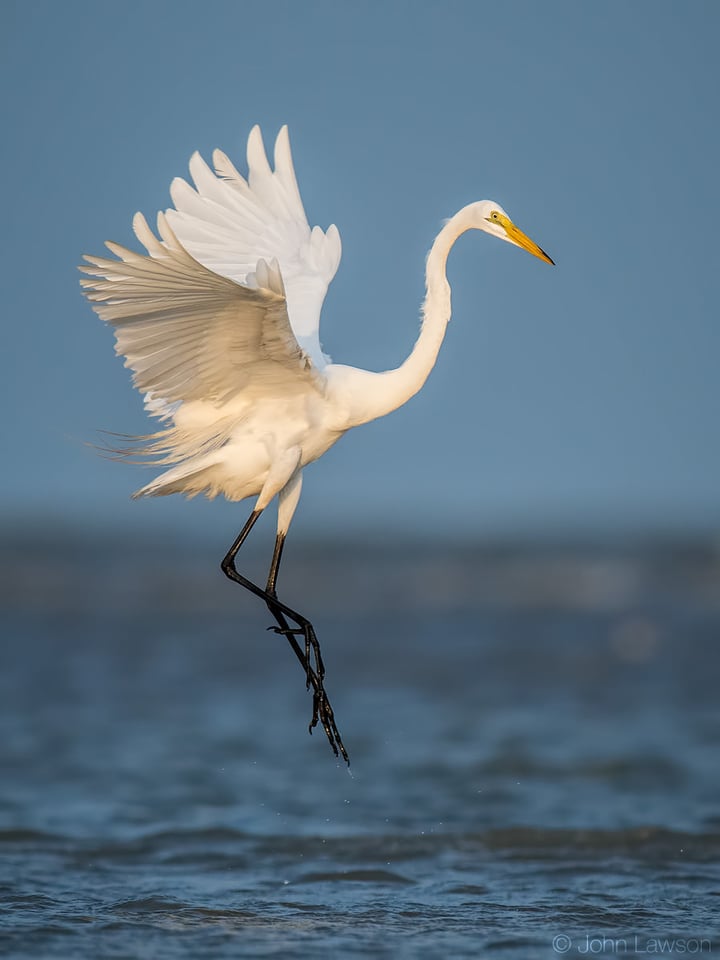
(516, 236)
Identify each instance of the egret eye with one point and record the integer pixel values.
(495, 215)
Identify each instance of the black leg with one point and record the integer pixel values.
(275, 564)
(306, 628)
(322, 711)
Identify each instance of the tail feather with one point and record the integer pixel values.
(188, 479)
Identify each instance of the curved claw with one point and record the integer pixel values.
(322, 712)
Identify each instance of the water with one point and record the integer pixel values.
(533, 734)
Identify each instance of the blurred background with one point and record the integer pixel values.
(515, 578)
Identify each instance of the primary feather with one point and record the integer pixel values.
(227, 223)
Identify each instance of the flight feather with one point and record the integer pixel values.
(227, 222)
(187, 332)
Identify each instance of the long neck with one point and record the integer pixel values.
(393, 388)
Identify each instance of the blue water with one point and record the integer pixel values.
(534, 738)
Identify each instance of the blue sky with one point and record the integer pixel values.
(579, 398)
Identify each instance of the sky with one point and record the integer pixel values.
(577, 399)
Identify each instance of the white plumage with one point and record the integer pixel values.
(228, 224)
(219, 323)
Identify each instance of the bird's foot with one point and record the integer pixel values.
(307, 631)
(323, 713)
(311, 642)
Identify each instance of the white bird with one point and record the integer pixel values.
(219, 323)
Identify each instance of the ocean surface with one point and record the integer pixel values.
(534, 734)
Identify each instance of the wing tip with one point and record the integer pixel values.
(141, 229)
(255, 141)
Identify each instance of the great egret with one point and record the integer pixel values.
(219, 323)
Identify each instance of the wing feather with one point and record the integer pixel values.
(229, 223)
(190, 334)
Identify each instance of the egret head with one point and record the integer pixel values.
(490, 217)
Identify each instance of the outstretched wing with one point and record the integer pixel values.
(227, 223)
(190, 334)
